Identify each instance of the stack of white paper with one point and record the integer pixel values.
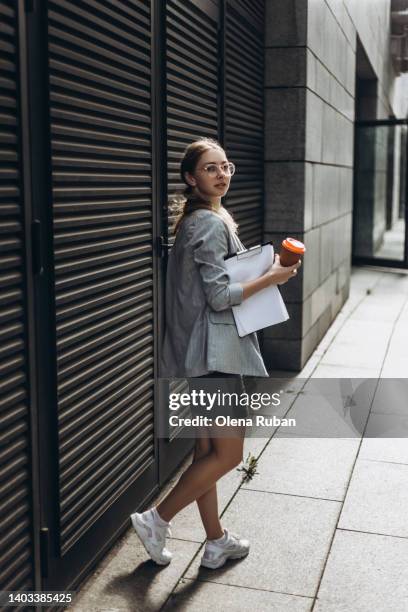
(264, 308)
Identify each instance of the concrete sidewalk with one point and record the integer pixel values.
(327, 518)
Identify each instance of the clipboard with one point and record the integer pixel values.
(264, 308)
(248, 252)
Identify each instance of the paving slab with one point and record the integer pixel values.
(200, 596)
(395, 368)
(327, 416)
(394, 283)
(373, 313)
(397, 348)
(394, 450)
(358, 351)
(353, 301)
(402, 323)
(363, 278)
(391, 397)
(360, 390)
(377, 499)
(330, 335)
(365, 572)
(338, 371)
(387, 426)
(129, 580)
(371, 332)
(290, 538)
(310, 366)
(399, 336)
(306, 466)
(373, 308)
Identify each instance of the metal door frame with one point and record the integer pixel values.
(381, 261)
(31, 269)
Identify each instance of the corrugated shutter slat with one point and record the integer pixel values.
(191, 84)
(244, 123)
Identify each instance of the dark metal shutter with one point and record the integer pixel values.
(244, 115)
(102, 206)
(191, 83)
(16, 548)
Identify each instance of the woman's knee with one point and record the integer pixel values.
(231, 461)
(229, 452)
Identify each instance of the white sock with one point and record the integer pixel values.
(157, 517)
(221, 539)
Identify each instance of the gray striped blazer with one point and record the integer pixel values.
(201, 335)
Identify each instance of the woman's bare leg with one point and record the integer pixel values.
(201, 475)
(208, 502)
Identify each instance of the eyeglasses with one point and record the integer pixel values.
(228, 168)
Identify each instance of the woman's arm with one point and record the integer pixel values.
(276, 275)
(209, 242)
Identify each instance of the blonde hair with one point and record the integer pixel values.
(185, 202)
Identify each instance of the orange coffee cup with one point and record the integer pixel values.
(291, 251)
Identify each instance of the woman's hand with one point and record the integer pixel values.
(276, 275)
(280, 275)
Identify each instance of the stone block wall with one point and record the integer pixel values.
(310, 79)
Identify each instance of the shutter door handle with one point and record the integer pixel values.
(44, 550)
(162, 247)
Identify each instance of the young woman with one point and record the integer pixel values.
(201, 341)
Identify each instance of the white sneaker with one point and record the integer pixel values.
(216, 552)
(153, 536)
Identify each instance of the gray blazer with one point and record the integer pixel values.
(201, 335)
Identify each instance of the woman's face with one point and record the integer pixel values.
(208, 178)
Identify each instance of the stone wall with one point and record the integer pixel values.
(310, 78)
